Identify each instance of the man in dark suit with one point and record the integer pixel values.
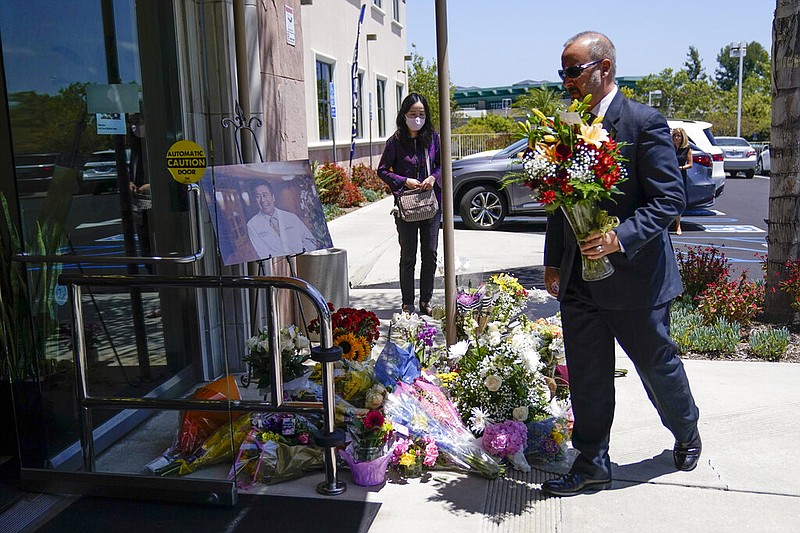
(632, 305)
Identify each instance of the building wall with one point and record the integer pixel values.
(329, 33)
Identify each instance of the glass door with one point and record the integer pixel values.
(93, 107)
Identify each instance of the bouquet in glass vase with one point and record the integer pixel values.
(574, 165)
(370, 434)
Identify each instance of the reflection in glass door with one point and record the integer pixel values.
(92, 108)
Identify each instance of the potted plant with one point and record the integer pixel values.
(27, 319)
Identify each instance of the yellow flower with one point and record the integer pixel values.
(541, 116)
(353, 347)
(594, 134)
(558, 437)
(407, 459)
(546, 151)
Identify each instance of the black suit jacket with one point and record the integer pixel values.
(647, 273)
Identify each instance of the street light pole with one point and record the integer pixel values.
(741, 49)
(370, 37)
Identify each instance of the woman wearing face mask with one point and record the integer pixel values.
(411, 160)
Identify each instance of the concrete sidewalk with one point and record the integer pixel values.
(747, 479)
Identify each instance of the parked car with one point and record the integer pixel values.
(700, 187)
(99, 173)
(483, 202)
(739, 156)
(34, 172)
(700, 135)
(764, 165)
(478, 192)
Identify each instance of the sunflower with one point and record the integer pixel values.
(354, 348)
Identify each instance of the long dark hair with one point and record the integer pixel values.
(425, 135)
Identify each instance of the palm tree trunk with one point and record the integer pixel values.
(784, 194)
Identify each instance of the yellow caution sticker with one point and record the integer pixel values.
(186, 162)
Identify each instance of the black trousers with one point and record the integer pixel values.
(426, 233)
(589, 333)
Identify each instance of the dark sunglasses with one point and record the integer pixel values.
(576, 70)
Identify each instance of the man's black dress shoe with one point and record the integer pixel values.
(572, 484)
(686, 454)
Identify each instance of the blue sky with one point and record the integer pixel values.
(500, 42)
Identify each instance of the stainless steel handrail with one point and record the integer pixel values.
(87, 402)
(126, 259)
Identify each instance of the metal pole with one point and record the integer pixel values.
(739, 108)
(447, 172)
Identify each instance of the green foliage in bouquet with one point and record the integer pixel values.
(294, 348)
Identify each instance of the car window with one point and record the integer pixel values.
(512, 149)
(731, 141)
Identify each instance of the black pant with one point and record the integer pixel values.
(589, 333)
(407, 232)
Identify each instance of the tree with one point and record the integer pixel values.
(784, 190)
(423, 79)
(694, 65)
(45, 123)
(488, 124)
(756, 62)
(548, 101)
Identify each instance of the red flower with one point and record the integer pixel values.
(563, 151)
(547, 197)
(373, 420)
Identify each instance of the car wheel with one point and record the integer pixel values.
(483, 207)
(749, 174)
(760, 167)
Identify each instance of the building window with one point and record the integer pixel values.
(396, 10)
(399, 93)
(360, 106)
(380, 98)
(324, 78)
(378, 3)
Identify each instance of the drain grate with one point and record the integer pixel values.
(516, 503)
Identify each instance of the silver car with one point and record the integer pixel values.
(739, 156)
(479, 195)
(483, 202)
(764, 163)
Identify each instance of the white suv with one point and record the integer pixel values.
(700, 134)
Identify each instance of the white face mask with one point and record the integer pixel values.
(415, 124)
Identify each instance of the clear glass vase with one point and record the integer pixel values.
(413, 470)
(367, 453)
(583, 217)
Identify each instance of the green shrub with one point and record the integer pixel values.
(370, 195)
(700, 267)
(720, 337)
(737, 301)
(684, 320)
(769, 343)
(331, 211)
